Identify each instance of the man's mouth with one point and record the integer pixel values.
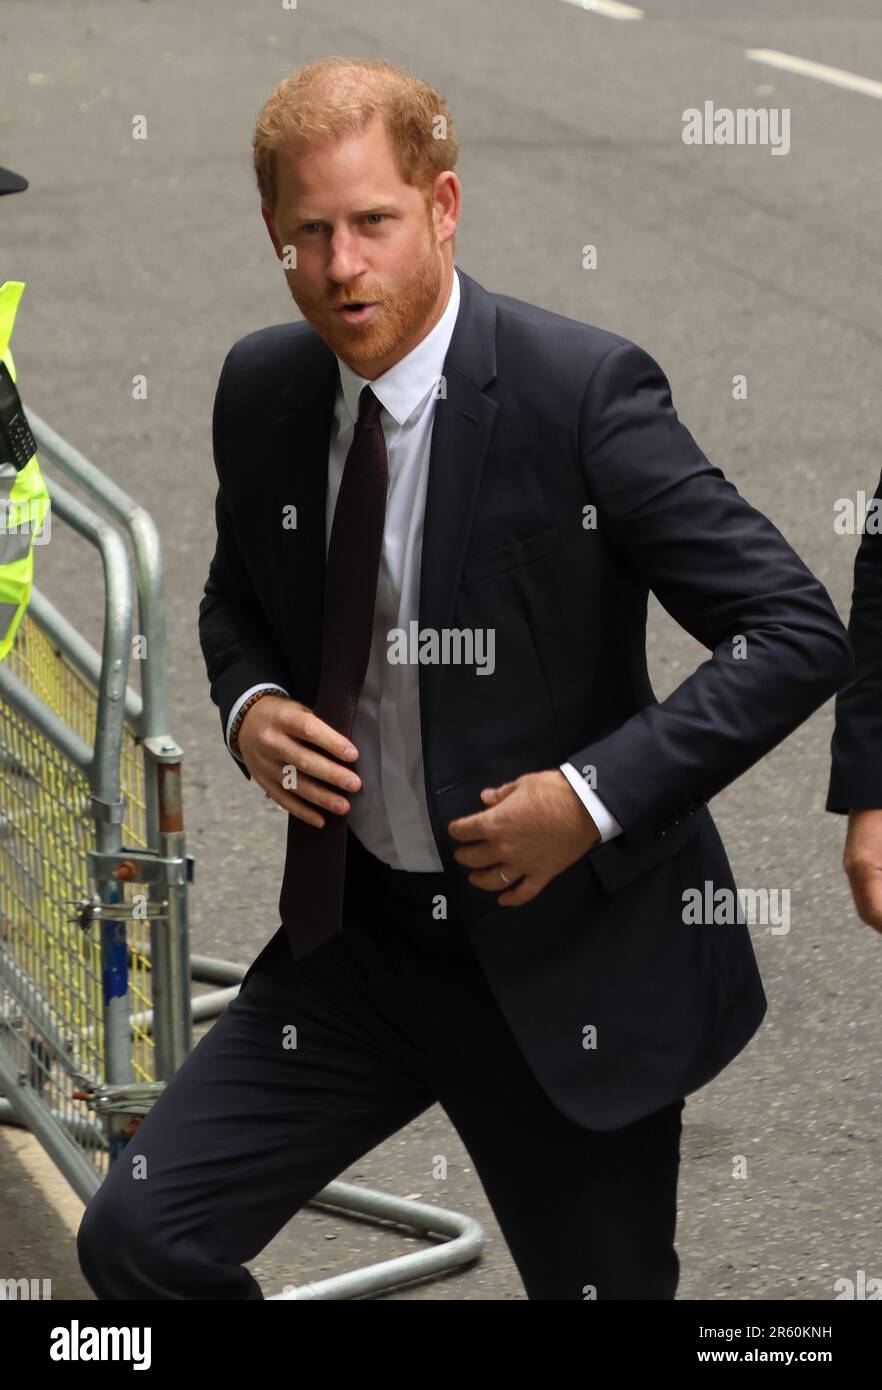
(358, 311)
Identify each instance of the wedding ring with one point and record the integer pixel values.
(503, 875)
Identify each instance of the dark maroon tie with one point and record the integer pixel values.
(311, 900)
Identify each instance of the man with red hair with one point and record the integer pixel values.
(483, 895)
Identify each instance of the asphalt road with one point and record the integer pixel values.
(150, 257)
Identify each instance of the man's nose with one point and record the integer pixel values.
(346, 262)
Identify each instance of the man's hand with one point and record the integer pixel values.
(534, 827)
(862, 861)
(279, 741)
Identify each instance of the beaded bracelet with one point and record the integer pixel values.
(252, 700)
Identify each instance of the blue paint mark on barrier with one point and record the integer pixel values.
(115, 965)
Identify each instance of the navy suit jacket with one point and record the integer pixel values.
(545, 418)
(856, 765)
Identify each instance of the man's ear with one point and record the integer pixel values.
(270, 226)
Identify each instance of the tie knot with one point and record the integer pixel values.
(368, 407)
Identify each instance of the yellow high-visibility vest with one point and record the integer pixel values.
(24, 500)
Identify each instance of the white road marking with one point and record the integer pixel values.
(611, 9)
(837, 77)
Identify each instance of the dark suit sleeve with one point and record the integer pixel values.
(856, 772)
(722, 570)
(237, 642)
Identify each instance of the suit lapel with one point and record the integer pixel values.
(460, 437)
(302, 437)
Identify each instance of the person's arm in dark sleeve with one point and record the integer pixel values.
(238, 645)
(723, 571)
(856, 746)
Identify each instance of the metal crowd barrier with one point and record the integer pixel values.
(96, 1012)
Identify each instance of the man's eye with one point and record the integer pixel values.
(379, 216)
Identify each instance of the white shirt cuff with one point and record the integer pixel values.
(604, 819)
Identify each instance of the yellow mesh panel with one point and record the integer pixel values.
(46, 828)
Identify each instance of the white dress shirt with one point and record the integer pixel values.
(389, 813)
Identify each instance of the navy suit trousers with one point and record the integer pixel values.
(316, 1062)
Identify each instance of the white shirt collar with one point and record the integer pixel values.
(401, 389)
